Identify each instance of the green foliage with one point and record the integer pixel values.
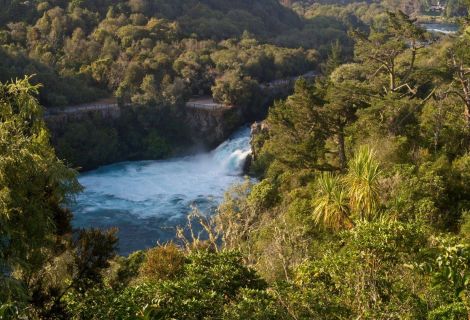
(34, 183)
(123, 270)
(330, 203)
(296, 130)
(233, 89)
(362, 206)
(400, 207)
(465, 226)
(254, 304)
(157, 147)
(93, 250)
(139, 49)
(363, 183)
(236, 216)
(87, 144)
(162, 263)
(263, 195)
(39, 259)
(94, 141)
(451, 267)
(453, 311)
(209, 285)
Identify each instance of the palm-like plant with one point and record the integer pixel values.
(363, 184)
(330, 203)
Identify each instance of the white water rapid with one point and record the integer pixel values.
(442, 28)
(147, 199)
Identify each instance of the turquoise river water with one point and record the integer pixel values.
(146, 200)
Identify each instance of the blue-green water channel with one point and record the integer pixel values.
(146, 200)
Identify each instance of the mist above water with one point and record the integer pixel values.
(146, 200)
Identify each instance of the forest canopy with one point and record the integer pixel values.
(83, 50)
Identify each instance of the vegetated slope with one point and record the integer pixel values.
(82, 50)
(221, 19)
(206, 18)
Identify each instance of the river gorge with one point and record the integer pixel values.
(147, 200)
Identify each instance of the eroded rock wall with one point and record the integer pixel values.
(211, 127)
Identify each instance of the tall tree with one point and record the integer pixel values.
(331, 207)
(459, 63)
(34, 184)
(297, 129)
(363, 184)
(383, 46)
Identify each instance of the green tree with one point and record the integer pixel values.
(340, 199)
(37, 251)
(35, 188)
(450, 270)
(35, 185)
(330, 202)
(234, 89)
(362, 180)
(459, 63)
(297, 130)
(208, 285)
(343, 101)
(382, 49)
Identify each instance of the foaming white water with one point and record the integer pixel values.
(152, 195)
(441, 28)
(230, 156)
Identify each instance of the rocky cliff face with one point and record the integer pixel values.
(208, 127)
(259, 133)
(57, 119)
(211, 127)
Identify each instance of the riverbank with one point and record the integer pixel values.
(436, 19)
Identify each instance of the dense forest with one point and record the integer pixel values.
(158, 52)
(154, 55)
(425, 10)
(358, 204)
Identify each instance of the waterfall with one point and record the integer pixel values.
(231, 155)
(147, 199)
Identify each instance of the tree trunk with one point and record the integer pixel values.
(392, 76)
(341, 148)
(461, 75)
(467, 114)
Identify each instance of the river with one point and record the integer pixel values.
(146, 200)
(441, 28)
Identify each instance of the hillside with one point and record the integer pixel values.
(206, 18)
(84, 50)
